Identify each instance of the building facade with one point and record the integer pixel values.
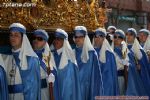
(129, 13)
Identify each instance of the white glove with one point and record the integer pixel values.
(51, 78)
(111, 37)
(148, 52)
(125, 62)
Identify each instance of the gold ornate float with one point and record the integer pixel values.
(52, 14)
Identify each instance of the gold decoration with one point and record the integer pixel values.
(46, 59)
(64, 14)
(47, 62)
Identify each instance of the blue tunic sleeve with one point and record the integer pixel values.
(97, 78)
(68, 80)
(90, 76)
(140, 79)
(144, 71)
(109, 73)
(3, 85)
(135, 85)
(31, 79)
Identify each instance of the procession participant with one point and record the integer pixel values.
(143, 35)
(144, 38)
(47, 65)
(88, 63)
(22, 66)
(110, 32)
(121, 60)
(107, 61)
(111, 29)
(66, 66)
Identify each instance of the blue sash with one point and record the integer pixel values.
(43, 83)
(120, 72)
(15, 88)
(43, 65)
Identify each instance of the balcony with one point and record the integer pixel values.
(134, 5)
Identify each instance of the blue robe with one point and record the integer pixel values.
(142, 45)
(68, 80)
(144, 71)
(90, 75)
(109, 73)
(3, 85)
(135, 85)
(30, 78)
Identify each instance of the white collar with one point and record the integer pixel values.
(130, 44)
(2, 62)
(67, 54)
(16, 50)
(59, 51)
(87, 46)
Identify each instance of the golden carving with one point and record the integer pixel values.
(64, 14)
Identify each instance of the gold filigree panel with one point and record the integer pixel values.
(54, 14)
